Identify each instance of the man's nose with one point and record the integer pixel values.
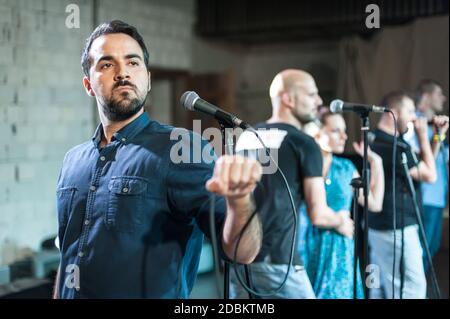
(121, 73)
(319, 100)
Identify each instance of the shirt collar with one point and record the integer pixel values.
(126, 133)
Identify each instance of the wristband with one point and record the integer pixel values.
(439, 137)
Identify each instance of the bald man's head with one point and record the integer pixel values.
(289, 80)
(296, 92)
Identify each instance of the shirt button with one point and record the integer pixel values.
(125, 190)
(80, 254)
(102, 158)
(86, 222)
(328, 181)
(123, 139)
(92, 188)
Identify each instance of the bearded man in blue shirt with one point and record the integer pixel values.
(131, 221)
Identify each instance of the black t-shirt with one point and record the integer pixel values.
(405, 215)
(298, 157)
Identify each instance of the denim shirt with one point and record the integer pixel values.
(130, 220)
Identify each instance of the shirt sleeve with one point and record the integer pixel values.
(186, 191)
(310, 158)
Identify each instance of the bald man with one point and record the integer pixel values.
(295, 101)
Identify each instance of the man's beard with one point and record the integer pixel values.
(119, 110)
(305, 118)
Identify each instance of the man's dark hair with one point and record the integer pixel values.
(115, 26)
(425, 86)
(394, 98)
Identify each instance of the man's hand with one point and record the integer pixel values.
(234, 177)
(421, 127)
(440, 124)
(371, 156)
(425, 171)
(347, 226)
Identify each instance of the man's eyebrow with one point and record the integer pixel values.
(133, 55)
(110, 57)
(105, 58)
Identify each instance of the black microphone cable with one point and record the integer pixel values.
(394, 205)
(294, 236)
(212, 227)
(394, 215)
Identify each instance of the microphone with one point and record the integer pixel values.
(193, 102)
(339, 106)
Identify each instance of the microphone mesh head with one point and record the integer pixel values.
(188, 99)
(336, 106)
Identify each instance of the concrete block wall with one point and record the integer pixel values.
(44, 110)
(166, 25)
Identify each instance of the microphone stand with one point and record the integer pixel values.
(228, 144)
(357, 184)
(412, 190)
(364, 183)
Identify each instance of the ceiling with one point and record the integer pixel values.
(250, 21)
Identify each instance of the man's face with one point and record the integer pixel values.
(118, 77)
(437, 99)
(306, 101)
(406, 114)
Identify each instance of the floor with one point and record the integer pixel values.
(441, 264)
(206, 288)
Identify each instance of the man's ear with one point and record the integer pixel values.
(426, 98)
(396, 111)
(149, 82)
(87, 86)
(286, 99)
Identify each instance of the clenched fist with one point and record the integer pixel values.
(440, 124)
(234, 176)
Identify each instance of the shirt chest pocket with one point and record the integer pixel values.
(64, 203)
(127, 203)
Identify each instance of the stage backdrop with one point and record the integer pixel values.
(394, 58)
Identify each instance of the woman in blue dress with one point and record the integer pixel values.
(328, 255)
